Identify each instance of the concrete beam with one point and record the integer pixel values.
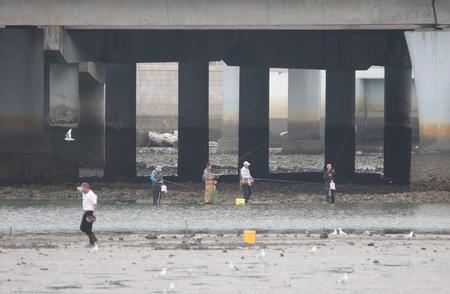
(230, 14)
(293, 49)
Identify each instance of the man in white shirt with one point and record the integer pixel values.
(246, 181)
(89, 200)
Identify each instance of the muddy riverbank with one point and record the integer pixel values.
(207, 263)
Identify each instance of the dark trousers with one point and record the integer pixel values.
(86, 227)
(156, 191)
(246, 192)
(331, 196)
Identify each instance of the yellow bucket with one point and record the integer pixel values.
(249, 237)
(240, 201)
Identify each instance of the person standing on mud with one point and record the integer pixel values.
(89, 201)
(246, 181)
(157, 180)
(210, 183)
(330, 186)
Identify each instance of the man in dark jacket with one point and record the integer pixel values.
(330, 188)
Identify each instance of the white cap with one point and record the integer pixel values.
(246, 163)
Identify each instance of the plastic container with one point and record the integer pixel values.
(249, 237)
(240, 201)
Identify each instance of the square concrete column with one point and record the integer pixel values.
(397, 123)
(340, 122)
(92, 115)
(120, 120)
(193, 130)
(304, 111)
(64, 111)
(254, 119)
(24, 150)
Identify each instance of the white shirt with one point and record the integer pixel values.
(89, 200)
(245, 173)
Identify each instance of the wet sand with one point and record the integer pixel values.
(134, 263)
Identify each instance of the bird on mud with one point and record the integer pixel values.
(410, 235)
(162, 273)
(341, 232)
(344, 279)
(233, 267)
(314, 249)
(334, 232)
(172, 287)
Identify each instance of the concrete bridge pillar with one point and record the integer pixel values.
(397, 123)
(92, 115)
(24, 148)
(340, 122)
(430, 57)
(193, 130)
(254, 118)
(304, 111)
(120, 121)
(230, 132)
(64, 111)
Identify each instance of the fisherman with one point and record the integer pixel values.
(246, 181)
(89, 200)
(157, 180)
(210, 181)
(330, 186)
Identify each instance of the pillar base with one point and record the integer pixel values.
(397, 153)
(120, 163)
(20, 168)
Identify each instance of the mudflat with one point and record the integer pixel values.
(217, 263)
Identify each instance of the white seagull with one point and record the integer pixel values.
(162, 273)
(172, 287)
(314, 249)
(410, 235)
(233, 267)
(69, 136)
(334, 232)
(341, 232)
(343, 279)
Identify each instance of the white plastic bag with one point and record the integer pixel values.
(332, 185)
(164, 188)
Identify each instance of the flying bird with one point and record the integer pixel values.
(69, 136)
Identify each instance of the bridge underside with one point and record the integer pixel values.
(41, 93)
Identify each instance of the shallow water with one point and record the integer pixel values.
(64, 216)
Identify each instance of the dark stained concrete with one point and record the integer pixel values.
(193, 130)
(120, 120)
(340, 122)
(397, 129)
(254, 119)
(24, 149)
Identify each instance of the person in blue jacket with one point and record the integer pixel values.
(156, 177)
